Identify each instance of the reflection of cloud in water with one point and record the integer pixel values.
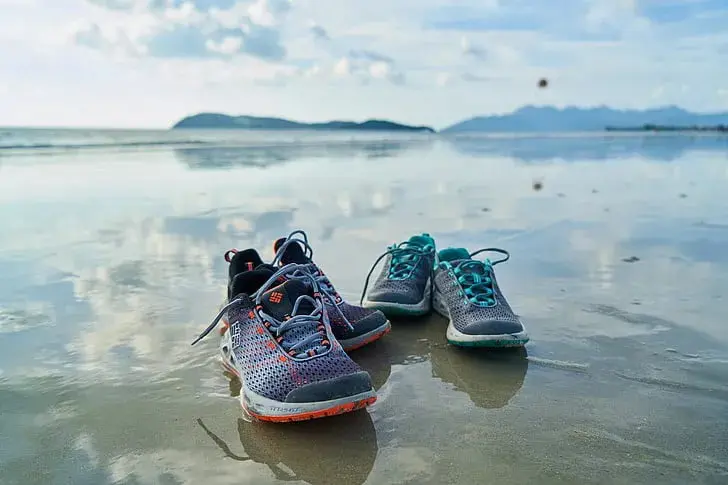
(248, 226)
(171, 245)
(264, 156)
(534, 148)
(337, 450)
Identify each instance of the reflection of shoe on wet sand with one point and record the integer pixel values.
(407, 344)
(491, 379)
(339, 450)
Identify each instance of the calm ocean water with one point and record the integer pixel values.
(111, 261)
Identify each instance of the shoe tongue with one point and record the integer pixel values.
(294, 252)
(278, 302)
(241, 261)
(453, 254)
(249, 282)
(420, 241)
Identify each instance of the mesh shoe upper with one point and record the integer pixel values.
(407, 268)
(281, 341)
(468, 316)
(267, 370)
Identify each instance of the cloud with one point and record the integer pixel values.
(384, 70)
(90, 36)
(474, 78)
(198, 29)
(471, 50)
(443, 79)
(369, 56)
(319, 32)
(366, 65)
(268, 12)
(114, 4)
(227, 46)
(343, 67)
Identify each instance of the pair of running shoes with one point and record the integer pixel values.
(286, 330)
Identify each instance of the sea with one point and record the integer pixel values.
(111, 263)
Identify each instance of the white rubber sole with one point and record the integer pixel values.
(455, 337)
(422, 307)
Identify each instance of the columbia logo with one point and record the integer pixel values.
(275, 297)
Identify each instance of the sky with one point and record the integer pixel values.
(148, 63)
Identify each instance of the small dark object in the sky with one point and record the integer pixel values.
(595, 191)
(537, 185)
(543, 82)
(631, 259)
(682, 196)
(561, 194)
(485, 209)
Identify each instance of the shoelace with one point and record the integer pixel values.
(405, 257)
(477, 284)
(316, 342)
(310, 269)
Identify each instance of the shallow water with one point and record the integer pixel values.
(111, 262)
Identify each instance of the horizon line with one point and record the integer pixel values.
(170, 127)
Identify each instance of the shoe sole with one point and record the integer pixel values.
(392, 309)
(459, 339)
(369, 337)
(272, 411)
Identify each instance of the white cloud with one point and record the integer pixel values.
(384, 70)
(443, 78)
(268, 12)
(471, 50)
(185, 14)
(227, 46)
(343, 67)
(319, 32)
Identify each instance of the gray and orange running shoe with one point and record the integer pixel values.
(352, 325)
(277, 339)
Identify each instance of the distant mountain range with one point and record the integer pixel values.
(550, 119)
(222, 121)
(525, 119)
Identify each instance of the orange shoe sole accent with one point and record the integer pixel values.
(371, 339)
(322, 413)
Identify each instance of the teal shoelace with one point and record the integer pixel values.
(475, 277)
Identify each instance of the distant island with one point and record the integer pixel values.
(571, 119)
(226, 122)
(649, 127)
(535, 119)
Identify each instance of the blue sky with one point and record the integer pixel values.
(146, 63)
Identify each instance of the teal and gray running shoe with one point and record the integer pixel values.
(467, 293)
(403, 287)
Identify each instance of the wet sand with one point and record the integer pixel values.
(111, 261)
